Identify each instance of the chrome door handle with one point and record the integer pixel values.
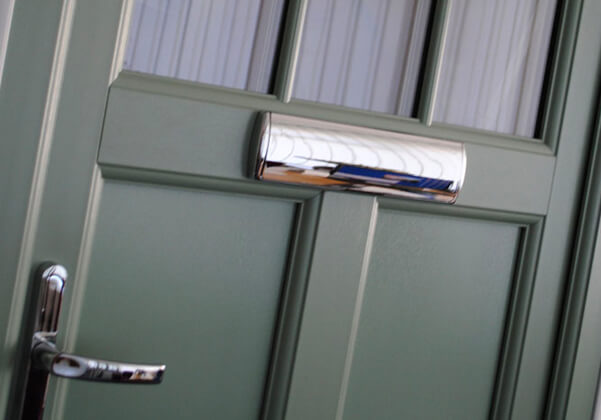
(47, 360)
(46, 356)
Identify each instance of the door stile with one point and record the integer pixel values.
(77, 92)
(58, 394)
(23, 163)
(577, 125)
(575, 377)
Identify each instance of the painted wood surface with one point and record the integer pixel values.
(432, 317)
(187, 278)
(337, 235)
(197, 138)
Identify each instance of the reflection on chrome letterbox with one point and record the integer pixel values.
(302, 151)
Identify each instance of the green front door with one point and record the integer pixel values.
(274, 301)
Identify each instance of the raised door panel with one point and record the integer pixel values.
(188, 278)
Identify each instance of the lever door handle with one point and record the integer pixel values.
(46, 356)
(47, 360)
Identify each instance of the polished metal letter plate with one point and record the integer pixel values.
(303, 151)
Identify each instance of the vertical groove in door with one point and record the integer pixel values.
(6, 12)
(516, 322)
(290, 312)
(334, 275)
(77, 284)
(35, 199)
(579, 324)
(357, 312)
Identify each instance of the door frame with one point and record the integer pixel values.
(41, 96)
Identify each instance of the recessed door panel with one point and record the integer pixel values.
(189, 277)
(432, 318)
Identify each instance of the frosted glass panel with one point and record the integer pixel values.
(494, 64)
(223, 42)
(363, 53)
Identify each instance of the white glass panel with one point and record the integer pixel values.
(494, 64)
(362, 53)
(223, 42)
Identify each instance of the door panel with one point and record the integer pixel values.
(432, 318)
(190, 278)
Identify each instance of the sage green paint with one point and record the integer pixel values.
(587, 363)
(251, 100)
(283, 191)
(293, 298)
(186, 278)
(181, 135)
(67, 177)
(34, 153)
(516, 322)
(432, 319)
(340, 252)
(577, 127)
(577, 372)
(192, 137)
(506, 180)
(22, 96)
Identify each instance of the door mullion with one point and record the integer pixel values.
(333, 300)
(290, 49)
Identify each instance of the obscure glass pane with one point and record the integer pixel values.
(494, 64)
(223, 42)
(362, 53)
